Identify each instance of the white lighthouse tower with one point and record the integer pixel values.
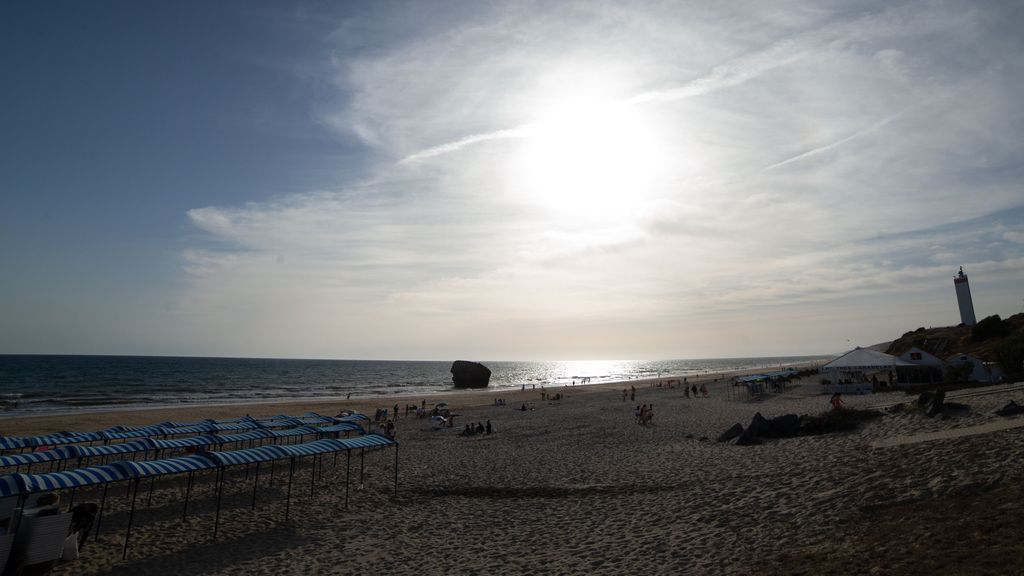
(963, 298)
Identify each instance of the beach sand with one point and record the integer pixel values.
(576, 487)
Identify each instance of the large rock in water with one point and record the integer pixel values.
(467, 374)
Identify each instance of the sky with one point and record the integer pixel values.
(505, 180)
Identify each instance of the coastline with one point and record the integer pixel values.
(89, 420)
(577, 487)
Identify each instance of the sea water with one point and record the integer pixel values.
(36, 384)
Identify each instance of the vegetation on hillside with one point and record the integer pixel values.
(993, 339)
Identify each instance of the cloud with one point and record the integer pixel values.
(823, 165)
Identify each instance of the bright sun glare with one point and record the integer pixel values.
(588, 158)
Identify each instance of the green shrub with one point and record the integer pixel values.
(1010, 354)
(991, 327)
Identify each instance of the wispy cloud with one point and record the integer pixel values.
(904, 109)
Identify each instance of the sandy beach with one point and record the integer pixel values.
(577, 487)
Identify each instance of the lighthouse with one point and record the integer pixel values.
(963, 298)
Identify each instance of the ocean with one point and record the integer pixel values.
(37, 384)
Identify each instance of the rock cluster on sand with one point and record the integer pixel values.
(1011, 409)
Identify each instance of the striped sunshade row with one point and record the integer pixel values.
(169, 428)
(14, 484)
(35, 457)
(300, 431)
(248, 456)
(147, 468)
(71, 478)
(140, 445)
(342, 427)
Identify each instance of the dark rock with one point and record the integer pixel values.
(731, 433)
(1011, 409)
(956, 407)
(924, 399)
(747, 439)
(758, 428)
(938, 400)
(467, 374)
(787, 426)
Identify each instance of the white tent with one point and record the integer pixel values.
(864, 360)
(855, 366)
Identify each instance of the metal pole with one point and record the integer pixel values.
(71, 500)
(288, 502)
(312, 476)
(188, 492)
(220, 492)
(152, 481)
(362, 458)
(255, 485)
(99, 518)
(131, 516)
(348, 469)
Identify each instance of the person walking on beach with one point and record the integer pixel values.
(704, 389)
(836, 401)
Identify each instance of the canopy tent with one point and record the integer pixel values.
(340, 427)
(153, 468)
(352, 417)
(139, 445)
(169, 428)
(855, 366)
(144, 445)
(30, 458)
(233, 426)
(180, 443)
(864, 360)
(13, 443)
(127, 434)
(299, 431)
(135, 471)
(314, 418)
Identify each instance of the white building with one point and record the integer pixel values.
(963, 298)
(976, 369)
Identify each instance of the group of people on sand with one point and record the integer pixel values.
(470, 430)
(631, 394)
(644, 415)
(693, 390)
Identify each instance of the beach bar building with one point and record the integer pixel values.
(926, 368)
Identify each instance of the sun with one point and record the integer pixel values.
(588, 158)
